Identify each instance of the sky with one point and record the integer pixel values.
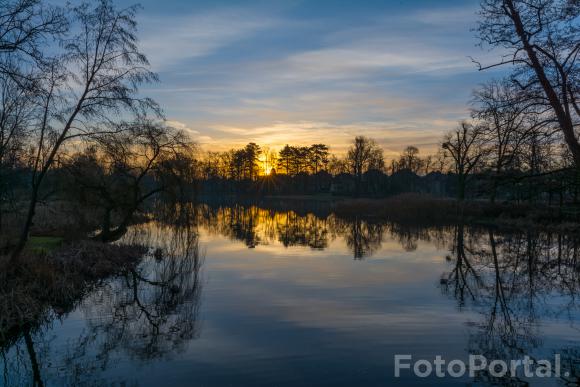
(313, 71)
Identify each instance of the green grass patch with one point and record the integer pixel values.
(43, 244)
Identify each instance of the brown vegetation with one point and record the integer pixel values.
(415, 208)
(45, 284)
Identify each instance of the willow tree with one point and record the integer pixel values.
(119, 174)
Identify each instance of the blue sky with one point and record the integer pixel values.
(303, 72)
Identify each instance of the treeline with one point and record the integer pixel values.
(465, 166)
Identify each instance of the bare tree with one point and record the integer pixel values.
(23, 22)
(15, 110)
(542, 40)
(336, 165)
(26, 26)
(410, 159)
(464, 146)
(96, 78)
(270, 160)
(509, 120)
(363, 156)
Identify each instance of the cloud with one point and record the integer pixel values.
(181, 126)
(234, 75)
(392, 136)
(172, 40)
(447, 17)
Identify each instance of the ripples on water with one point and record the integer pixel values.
(243, 295)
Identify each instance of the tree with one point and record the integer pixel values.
(301, 159)
(427, 164)
(363, 156)
(508, 121)
(541, 39)
(210, 166)
(245, 162)
(318, 157)
(96, 78)
(251, 155)
(410, 159)
(284, 159)
(226, 164)
(336, 165)
(270, 160)
(26, 26)
(121, 172)
(464, 146)
(15, 110)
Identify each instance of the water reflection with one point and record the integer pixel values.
(256, 226)
(145, 313)
(516, 281)
(272, 318)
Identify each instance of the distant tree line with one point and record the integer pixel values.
(476, 160)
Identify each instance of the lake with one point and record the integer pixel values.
(252, 295)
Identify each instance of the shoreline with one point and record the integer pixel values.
(420, 208)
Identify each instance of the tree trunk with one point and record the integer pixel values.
(109, 235)
(33, 358)
(27, 225)
(106, 229)
(461, 187)
(493, 193)
(564, 120)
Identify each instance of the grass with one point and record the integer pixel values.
(43, 244)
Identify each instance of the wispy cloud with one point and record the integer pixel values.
(181, 126)
(172, 40)
(302, 75)
(393, 136)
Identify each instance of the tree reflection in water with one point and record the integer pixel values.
(520, 283)
(363, 238)
(516, 281)
(258, 226)
(145, 313)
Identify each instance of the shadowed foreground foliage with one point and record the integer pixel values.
(51, 283)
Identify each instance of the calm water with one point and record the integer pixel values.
(245, 296)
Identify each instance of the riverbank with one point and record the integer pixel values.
(43, 284)
(408, 208)
(418, 208)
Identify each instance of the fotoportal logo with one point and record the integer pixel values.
(441, 368)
